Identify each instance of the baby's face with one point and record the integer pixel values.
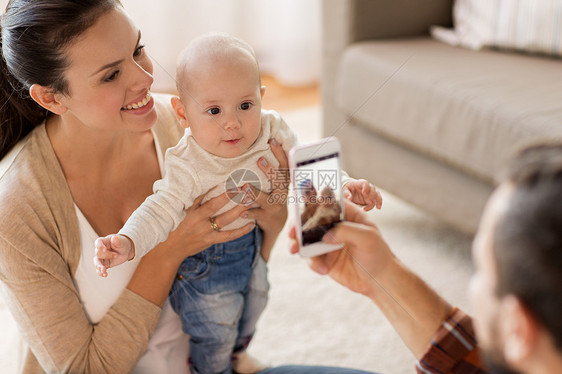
(223, 106)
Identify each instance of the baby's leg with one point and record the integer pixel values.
(209, 297)
(255, 300)
(211, 320)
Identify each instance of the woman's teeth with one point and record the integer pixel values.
(140, 104)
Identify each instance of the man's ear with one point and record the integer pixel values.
(47, 99)
(519, 329)
(262, 91)
(179, 110)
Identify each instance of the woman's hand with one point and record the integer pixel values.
(361, 261)
(271, 214)
(157, 269)
(196, 231)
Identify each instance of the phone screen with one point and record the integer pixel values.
(318, 192)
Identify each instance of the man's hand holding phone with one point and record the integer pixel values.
(318, 194)
(362, 257)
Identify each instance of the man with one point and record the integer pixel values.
(516, 292)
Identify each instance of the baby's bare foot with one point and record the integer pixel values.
(243, 363)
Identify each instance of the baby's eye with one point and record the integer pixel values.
(245, 106)
(214, 111)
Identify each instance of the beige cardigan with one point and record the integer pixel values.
(39, 253)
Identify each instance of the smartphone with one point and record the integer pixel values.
(317, 193)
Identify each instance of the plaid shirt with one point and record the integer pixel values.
(453, 348)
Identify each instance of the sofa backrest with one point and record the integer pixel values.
(377, 19)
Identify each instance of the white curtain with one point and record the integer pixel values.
(284, 33)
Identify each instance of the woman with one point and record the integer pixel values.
(90, 130)
(77, 105)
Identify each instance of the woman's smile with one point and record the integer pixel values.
(140, 106)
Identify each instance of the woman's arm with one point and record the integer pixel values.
(366, 265)
(39, 292)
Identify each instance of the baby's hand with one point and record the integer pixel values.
(363, 193)
(111, 251)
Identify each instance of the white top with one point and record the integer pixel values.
(190, 171)
(168, 348)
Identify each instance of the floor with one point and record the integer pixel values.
(281, 98)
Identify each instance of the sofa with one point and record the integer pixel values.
(428, 122)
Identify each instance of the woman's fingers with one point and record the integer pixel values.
(228, 217)
(272, 210)
(225, 236)
(278, 177)
(209, 209)
(279, 153)
(253, 195)
(212, 206)
(263, 199)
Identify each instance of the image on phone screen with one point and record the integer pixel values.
(318, 192)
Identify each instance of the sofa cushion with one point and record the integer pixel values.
(470, 109)
(533, 25)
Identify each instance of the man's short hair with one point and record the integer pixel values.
(528, 237)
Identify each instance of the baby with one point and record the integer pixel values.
(219, 293)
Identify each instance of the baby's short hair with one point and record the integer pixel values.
(214, 45)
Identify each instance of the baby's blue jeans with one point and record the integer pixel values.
(219, 295)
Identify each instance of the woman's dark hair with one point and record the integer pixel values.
(34, 34)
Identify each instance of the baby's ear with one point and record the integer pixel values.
(262, 91)
(179, 110)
